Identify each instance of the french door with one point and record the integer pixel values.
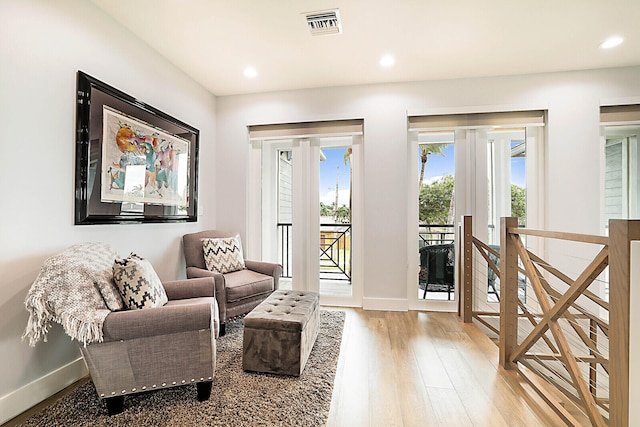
(486, 171)
(309, 207)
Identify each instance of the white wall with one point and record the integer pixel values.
(572, 197)
(42, 45)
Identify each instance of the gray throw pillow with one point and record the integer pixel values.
(139, 285)
(223, 255)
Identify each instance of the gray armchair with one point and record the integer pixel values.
(237, 292)
(157, 348)
(163, 345)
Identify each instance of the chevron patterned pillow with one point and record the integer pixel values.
(139, 285)
(223, 255)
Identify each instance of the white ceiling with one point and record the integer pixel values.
(213, 41)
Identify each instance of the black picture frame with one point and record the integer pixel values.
(90, 208)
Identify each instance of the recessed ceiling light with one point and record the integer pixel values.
(250, 72)
(612, 42)
(387, 61)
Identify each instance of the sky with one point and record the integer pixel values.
(437, 167)
(335, 160)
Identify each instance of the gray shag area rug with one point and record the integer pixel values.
(238, 398)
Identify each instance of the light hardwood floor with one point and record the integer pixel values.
(419, 369)
(426, 369)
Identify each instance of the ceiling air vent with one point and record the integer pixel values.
(324, 23)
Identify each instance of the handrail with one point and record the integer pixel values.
(575, 237)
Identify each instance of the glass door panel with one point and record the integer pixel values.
(335, 187)
(307, 213)
(506, 174)
(436, 217)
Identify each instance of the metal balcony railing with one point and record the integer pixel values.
(334, 250)
(436, 234)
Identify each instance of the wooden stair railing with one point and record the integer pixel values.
(569, 345)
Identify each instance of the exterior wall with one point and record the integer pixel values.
(285, 187)
(572, 198)
(42, 45)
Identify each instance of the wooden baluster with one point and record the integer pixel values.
(466, 256)
(621, 232)
(508, 293)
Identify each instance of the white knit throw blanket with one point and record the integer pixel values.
(75, 289)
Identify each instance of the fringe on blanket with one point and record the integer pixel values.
(41, 318)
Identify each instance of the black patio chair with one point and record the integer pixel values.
(437, 269)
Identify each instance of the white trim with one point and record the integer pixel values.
(634, 335)
(413, 217)
(252, 246)
(385, 304)
(442, 306)
(337, 301)
(29, 395)
(357, 222)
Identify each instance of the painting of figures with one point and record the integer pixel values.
(142, 163)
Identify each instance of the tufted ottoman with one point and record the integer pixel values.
(280, 332)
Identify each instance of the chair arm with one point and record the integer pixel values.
(195, 272)
(220, 291)
(269, 268)
(190, 288)
(130, 324)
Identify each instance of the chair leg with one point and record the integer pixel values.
(204, 390)
(223, 330)
(115, 405)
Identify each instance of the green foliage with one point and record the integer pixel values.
(519, 204)
(326, 210)
(343, 215)
(435, 201)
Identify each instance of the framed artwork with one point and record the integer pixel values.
(134, 163)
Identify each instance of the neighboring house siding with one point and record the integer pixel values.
(614, 188)
(285, 190)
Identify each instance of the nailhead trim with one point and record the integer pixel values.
(144, 387)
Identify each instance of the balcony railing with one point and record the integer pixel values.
(436, 234)
(334, 250)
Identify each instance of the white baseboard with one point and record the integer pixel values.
(29, 395)
(385, 304)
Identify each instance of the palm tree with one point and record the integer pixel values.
(427, 149)
(347, 159)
